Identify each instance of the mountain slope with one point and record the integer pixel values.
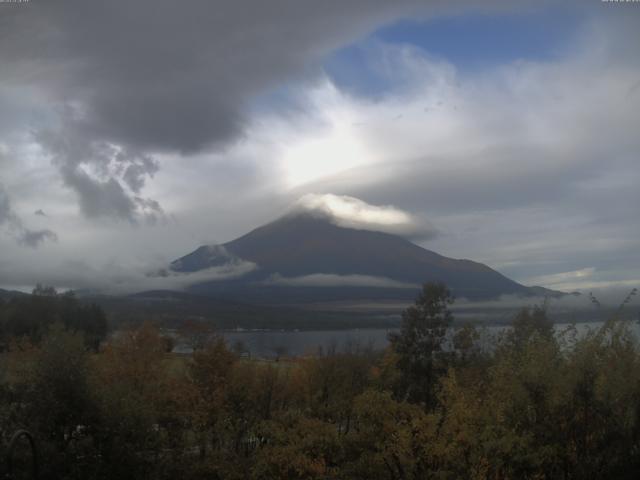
(9, 294)
(293, 252)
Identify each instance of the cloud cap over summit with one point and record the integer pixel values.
(351, 212)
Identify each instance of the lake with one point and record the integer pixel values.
(269, 344)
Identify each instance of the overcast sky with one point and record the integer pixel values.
(133, 132)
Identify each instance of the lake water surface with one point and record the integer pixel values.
(271, 343)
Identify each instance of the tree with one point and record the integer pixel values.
(531, 321)
(197, 333)
(295, 447)
(465, 344)
(389, 440)
(57, 398)
(418, 345)
(132, 389)
(334, 381)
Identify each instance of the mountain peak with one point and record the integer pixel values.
(306, 248)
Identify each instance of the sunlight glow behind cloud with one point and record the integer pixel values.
(330, 149)
(315, 158)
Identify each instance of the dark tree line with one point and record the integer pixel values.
(30, 316)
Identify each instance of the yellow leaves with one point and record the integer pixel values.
(389, 439)
(134, 356)
(131, 378)
(296, 447)
(211, 366)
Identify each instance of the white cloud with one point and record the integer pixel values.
(608, 295)
(329, 280)
(115, 277)
(352, 212)
(171, 280)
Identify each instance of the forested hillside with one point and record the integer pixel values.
(537, 403)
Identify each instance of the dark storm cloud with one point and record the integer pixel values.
(100, 172)
(6, 214)
(172, 75)
(33, 238)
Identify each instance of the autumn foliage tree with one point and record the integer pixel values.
(419, 344)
